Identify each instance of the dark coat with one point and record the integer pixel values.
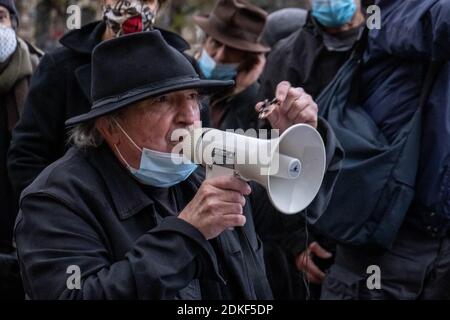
(303, 60)
(60, 89)
(86, 210)
(414, 33)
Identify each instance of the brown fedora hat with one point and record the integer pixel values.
(237, 24)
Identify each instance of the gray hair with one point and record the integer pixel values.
(86, 135)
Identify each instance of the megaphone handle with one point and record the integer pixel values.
(213, 171)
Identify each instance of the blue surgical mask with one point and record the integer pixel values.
(159, 169)
(217, 71)
(333, 13)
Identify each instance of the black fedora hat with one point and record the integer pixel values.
(134, 67)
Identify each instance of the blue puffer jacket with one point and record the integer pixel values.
(413, 33)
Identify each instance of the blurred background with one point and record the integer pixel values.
(43, 22)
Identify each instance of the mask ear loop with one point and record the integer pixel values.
(126, 135)
(122, 158)
(132, 142)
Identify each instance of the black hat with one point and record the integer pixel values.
(10, 5)
(237, 24)
(134, 67)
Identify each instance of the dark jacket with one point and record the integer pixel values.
(413, 34)
(60, 89)
(303, 60)
(86, 210)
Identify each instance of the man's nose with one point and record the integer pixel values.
(187, 112)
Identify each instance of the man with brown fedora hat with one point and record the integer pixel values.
(233, 50)
(131, 220)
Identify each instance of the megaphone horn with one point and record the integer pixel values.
(290, 167)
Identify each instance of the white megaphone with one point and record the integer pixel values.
(290, 167)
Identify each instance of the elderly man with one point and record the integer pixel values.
(132, 223)
(61, 86)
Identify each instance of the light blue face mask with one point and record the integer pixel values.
(217, 71)
(333, 13)
(159, 169)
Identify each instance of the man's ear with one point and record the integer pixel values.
(108, 130)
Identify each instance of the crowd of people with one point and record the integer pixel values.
(87, 179)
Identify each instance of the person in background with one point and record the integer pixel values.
(310, 58)
(18, 60)
(282, 23)
(396, 62)
(60, 87)
(228, 53)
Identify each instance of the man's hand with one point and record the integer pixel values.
(217, 206)
(246, 78)
(294, 106)
(304, 262)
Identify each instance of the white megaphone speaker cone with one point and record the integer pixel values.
(292, 170)
(294, 193)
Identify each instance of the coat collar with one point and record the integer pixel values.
(126, 193)
(88, 37)
(84, 40)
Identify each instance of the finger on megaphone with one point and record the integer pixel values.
(233, 220)
(232, 197)
(231, 183)
(230, 208)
